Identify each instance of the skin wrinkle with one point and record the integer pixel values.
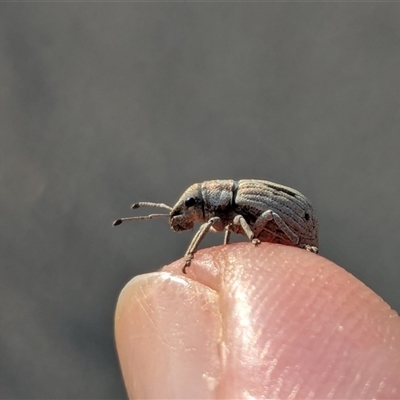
(271, 309)
(278, 387)
(274, 364)
(147, 312)
(266, 347)
(337, 383)
(257, 342)
(366, 387)
(353, 384)
(326, 337)
(251, 338)
(253, 315)
(321, 348)
(310, 395)
(233, 278)
(311, 301)
(357, 381)
(264, 291)
(294, 391)
(245, 332)
(394, 334)
(259, 307)
(350, 328)
(381, 386)
(327, 371)
(151, 316)
(293, 301)
(360, 369)
(288, 306)
(286, 387)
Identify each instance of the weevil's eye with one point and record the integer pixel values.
(191, 201)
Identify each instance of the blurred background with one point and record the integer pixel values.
(105, 104)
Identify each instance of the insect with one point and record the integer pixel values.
(260, 210)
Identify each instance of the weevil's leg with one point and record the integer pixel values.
(228, 232)
(198, 237)
(269, 215)
(240, 221)
(312, 249)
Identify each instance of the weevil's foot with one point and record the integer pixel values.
(188, 261)
(312, 249)
(256, 241)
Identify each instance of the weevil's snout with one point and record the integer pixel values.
(182, 218)
(180, 222)
(187, 210)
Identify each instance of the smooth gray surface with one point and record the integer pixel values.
(104, 104)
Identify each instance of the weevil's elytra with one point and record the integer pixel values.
(260, 210)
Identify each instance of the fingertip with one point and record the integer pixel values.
(166, 328)
(269, 320)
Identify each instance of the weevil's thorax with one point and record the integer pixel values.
(218, 199)
(202, 201)
(188, 209)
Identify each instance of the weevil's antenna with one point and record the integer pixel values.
(151, 216)
(147, 204)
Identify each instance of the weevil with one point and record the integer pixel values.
(260, 210)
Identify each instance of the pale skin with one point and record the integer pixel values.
(248, 322)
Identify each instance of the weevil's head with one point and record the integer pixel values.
(188, 209)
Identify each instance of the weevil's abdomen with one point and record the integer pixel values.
(253, 197)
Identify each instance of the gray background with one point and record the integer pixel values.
(104, 104)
